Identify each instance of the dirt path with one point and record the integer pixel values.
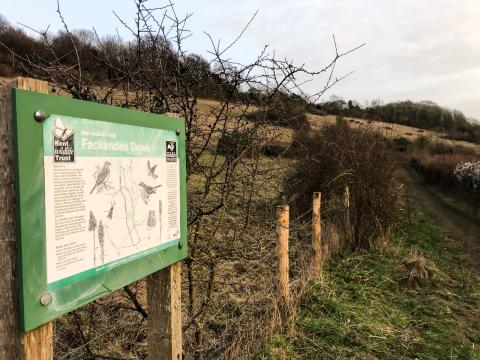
(458, 220)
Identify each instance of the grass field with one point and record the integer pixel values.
(415, 298)
(418, 298)
(389, 130)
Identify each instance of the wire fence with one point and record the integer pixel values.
(231, 301)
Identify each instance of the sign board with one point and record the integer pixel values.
(101, 200)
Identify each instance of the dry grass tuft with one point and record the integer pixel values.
(419, 268)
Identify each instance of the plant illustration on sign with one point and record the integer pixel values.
(110, 212)
(92, 226)
(101, 241)
(152, 220)
(130, 201)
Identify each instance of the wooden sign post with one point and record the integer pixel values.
(43, 136)
(165, 313)
(14, 344)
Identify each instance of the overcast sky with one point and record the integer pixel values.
(415, 49)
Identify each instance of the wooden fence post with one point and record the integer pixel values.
(346, 208)
(165, 313)
(346, 197)
(282, 238)
(316, 230)
(14, 344)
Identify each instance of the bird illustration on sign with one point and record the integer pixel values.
(151, 170)
(147, 190)
(102, 177)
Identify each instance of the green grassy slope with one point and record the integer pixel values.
(418, 298)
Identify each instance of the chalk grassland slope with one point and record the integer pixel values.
(284, 135)
(239, 293)
(390, 130)
(418, 298)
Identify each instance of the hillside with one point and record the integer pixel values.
(316, 122)
(235, 208)
(392, 131)
(389, 130)
(416, 298)
(100, 60)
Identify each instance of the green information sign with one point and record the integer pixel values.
(101, 200)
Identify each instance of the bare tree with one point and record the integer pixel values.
(226, 175)
(3, 22)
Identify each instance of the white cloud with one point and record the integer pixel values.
(415, 50)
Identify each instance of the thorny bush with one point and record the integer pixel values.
(230, 245)
(468, 175)
(360, 158)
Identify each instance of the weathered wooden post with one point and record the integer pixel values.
(346, 209)
(165, 313)
(38, 282)
(164, 289)
(282, 218)
(346, 197)
(316, 230)
(15, 344)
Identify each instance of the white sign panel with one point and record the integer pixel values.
(112, 194)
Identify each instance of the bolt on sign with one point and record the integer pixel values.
(101, 199)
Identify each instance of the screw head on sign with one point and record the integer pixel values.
(39, 116)
(180, 245)
(45, 299)
(177, 131)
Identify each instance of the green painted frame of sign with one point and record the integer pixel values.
(40, 303)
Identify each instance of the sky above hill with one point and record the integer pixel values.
(417, 50)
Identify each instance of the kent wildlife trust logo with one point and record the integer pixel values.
(171, 152)
(63, 143)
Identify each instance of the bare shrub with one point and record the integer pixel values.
(467, 174)
(438, 163)
(465, 150)
(400, 144)
(340, 155)
(228, 289)
(422, 141)
(286, 110)
(6, 70)
(440, 148)
(232, 143)
(274, 150)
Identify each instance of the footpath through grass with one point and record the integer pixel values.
(418, 298)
